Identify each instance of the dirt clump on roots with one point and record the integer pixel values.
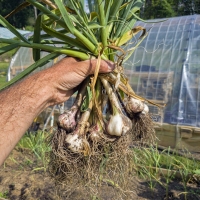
(143, 131)
(110, 160)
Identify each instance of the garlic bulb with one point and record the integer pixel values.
(134, 105)
(67, 120)
(74, 142)
(94, 133)
(118, 125)
(145, 110)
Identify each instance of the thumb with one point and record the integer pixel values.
(105, 66)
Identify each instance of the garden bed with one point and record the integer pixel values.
(23, 176)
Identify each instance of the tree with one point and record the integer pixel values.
(157, 9)
(188, 7)
(169, 8)
(21, 19)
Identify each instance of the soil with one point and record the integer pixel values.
(21, 179)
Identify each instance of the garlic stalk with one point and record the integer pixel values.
(67, 120)
(125, 87)
(76, 141)
(118, 124)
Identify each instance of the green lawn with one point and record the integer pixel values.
(4, 63)
(3, 72)
(2, 80)
(8, 54)
(4, 66)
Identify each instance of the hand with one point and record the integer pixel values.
(69, 73)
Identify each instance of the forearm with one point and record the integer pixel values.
(19, 106)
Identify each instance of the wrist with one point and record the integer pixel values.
(36, 91)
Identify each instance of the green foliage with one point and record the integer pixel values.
(152, 165)
(2, 80)
(8, 55)
(4, 194)
(157, 9)
(3, 66)
(37, 143)
(3, 72)
(29, 28)
(78, 37)
(87, 100)
(164, 159)
(153, 9)
(187, 7)
(21, 19)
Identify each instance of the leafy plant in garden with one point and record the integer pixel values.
(4, 194)
(36, 142)
(95, 134)
(163, 167)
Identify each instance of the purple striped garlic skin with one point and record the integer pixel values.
(135, 105)
(67, 120)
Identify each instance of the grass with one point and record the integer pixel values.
(153, 166)
(162, 167)
(4, 194)
(4, 66)
(2, 80)
(37, 144)
(4, 63)
(3, 72)
(7, 55)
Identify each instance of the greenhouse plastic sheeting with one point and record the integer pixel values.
(5, 33)
(165, 68)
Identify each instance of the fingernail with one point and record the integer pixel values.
(111, 65)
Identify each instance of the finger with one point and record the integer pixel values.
(105, 66)
(90, 65)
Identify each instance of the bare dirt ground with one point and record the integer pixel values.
(21, 180)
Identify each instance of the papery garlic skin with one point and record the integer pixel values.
(74, 142)
(118, 125)
(95, 137)
(67, 120)
(134, 105)
(94, 133)
(145, 110)
(127, 126)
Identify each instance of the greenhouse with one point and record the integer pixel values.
(5, 33)
(165, 69)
